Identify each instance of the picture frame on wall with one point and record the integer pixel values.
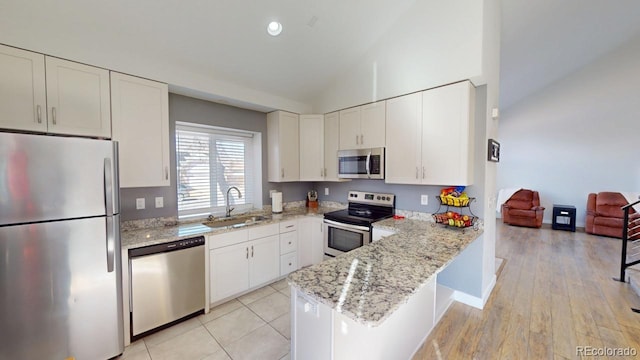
(493, 151)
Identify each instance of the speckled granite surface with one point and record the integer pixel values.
(368, 284)
(161, 234)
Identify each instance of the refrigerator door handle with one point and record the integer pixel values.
(108, 186)
(111, 242)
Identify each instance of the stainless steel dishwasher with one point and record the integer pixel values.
(167, 284)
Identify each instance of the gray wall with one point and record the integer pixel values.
(182, 108)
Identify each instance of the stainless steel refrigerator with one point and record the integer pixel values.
(60, 266)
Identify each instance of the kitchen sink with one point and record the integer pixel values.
(235, 221)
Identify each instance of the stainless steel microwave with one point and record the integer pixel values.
(361, 163)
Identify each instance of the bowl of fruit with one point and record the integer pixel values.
(454, 219)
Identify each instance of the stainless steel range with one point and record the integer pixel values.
(348, 229)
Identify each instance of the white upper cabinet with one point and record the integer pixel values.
(350, 129)
(46, 94)
(78, 99)
(331, 145)
(363, 126)
(283, 147)
(448, 134)
(372, 125)
(430, 137)
(403, 154)
(140, 111)
(312, 167)
(23, 103)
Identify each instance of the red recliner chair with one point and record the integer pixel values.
(604, 214)
(523, 209)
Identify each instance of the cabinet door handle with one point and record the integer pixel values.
(321, 173)
(325, 172)
(361, 139)
(289, 242)
(356, 139)
(423, 172)
(247, 252)
(39, 112)
(251, 250)
(53, 115)
(289, 264)
(416, 172)
(282, 173)
(166, 173)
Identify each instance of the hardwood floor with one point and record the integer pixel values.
(554, 294)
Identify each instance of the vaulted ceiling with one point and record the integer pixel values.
(226, 40)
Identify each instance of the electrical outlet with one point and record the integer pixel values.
(139, 203)
(159, 201)
(326, 191)
(424, 199)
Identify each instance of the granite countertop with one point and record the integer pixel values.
(368, 284)
(161, 234)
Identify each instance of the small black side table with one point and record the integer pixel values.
(564, 217)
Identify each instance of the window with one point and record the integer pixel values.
(209, 162)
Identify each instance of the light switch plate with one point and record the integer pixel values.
(424, 199)
(159, 201)
(140, 203)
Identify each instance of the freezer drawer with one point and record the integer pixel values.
(166, 286)
(60, 290)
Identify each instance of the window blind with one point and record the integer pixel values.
(209, 162)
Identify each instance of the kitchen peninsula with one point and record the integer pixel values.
(382, 300)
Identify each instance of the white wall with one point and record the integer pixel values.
(432, 44)
(45, 27)
(579, 135)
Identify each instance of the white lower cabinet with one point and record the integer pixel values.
(288, 263)
(264, 260)
(239, 262)
(288, 247)
(229, 271)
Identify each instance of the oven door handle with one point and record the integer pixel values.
(346, 226)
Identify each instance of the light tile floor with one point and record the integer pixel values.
(253, 326)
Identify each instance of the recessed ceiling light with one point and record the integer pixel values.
(274, 28)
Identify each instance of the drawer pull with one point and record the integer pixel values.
(289, 264)
(289, 242)
(289, 226)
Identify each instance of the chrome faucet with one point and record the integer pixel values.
(229, 209)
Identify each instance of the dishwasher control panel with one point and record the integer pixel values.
(166, 247)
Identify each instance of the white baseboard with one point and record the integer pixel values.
(475, 301)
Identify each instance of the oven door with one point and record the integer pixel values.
(340, 238)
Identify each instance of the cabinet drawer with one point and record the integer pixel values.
(286, 226)
(226, 239)
(257, 232)
(288, 263)
(288, 242)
